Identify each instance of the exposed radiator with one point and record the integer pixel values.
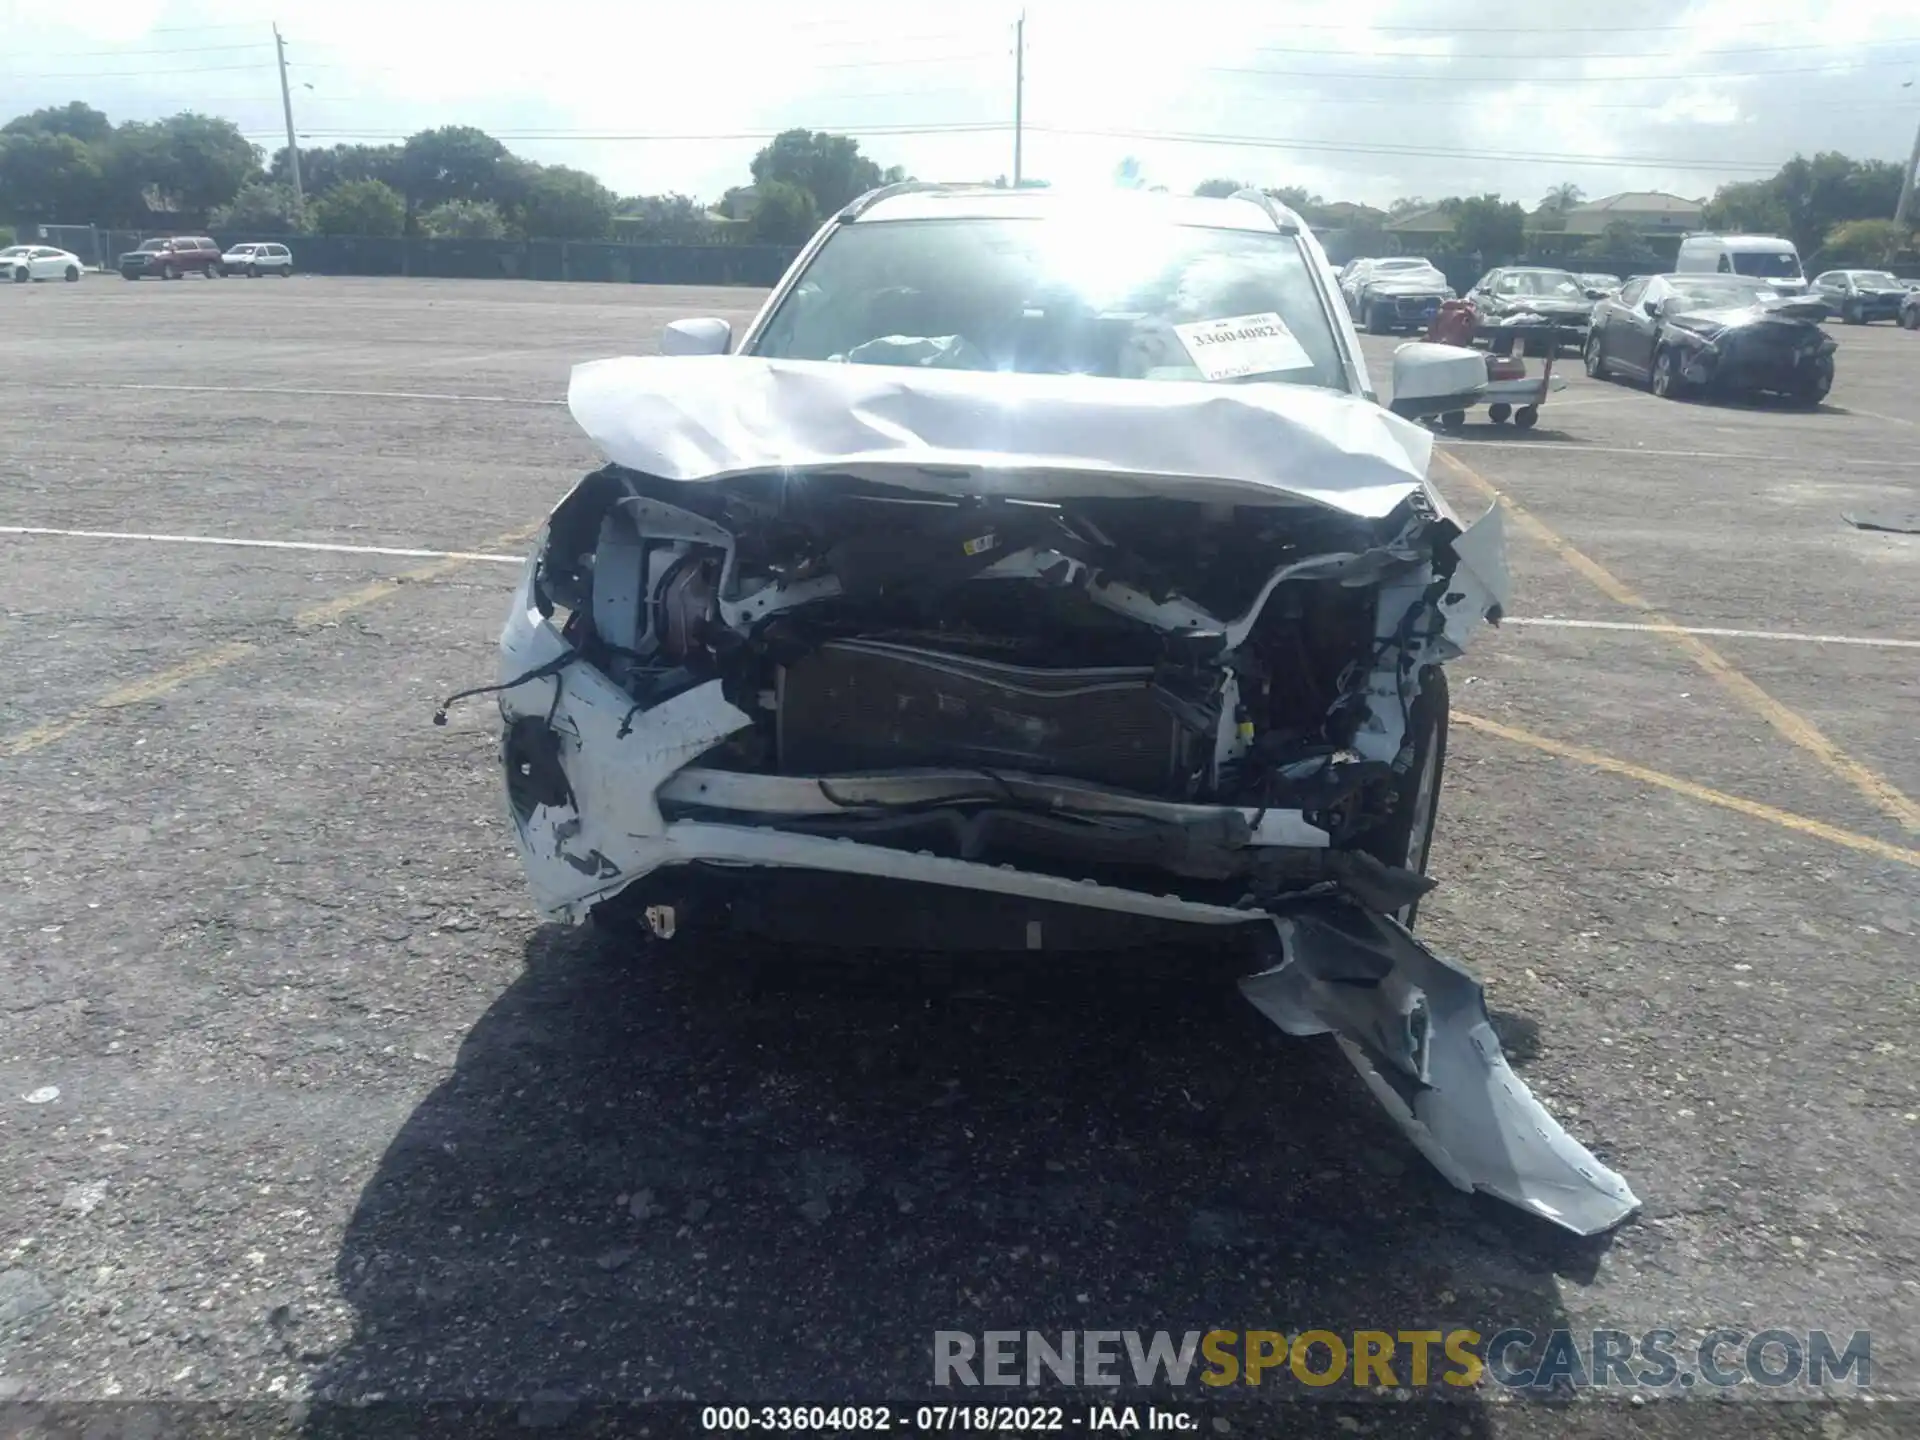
(870, 705)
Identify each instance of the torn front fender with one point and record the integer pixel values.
(1416, 1027)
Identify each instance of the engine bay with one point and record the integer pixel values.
(1194, 654)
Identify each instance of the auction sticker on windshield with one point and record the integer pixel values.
(1242, 345)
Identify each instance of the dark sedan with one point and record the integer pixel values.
(1726, 333)
(1538, 307)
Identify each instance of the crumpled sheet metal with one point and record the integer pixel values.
(1416, 1027)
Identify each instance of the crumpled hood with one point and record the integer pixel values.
(1737, 316)
(1049, 437)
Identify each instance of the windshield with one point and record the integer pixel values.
(1409, 264)
(1778, 264)
(14, 250)
(1045, 296)
(153, 244)
(1550, 284)
(1714, 290)
(1879, 279)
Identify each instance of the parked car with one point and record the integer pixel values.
(1910, 310)
(172, 257)
(1399, 293)
(21, 263)
(1860, 297)
(1768, 258)
(1075, 607)
(1533, 306)
(1724, 333)
(256, 258)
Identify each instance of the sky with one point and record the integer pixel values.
(1367, 100)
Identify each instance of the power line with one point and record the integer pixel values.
(1596, 55)
(128, 54)
(1797, 21)
(129, 74)
(1511, 79)
(966, 127)
(1274, 142)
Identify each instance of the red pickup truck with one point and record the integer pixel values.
(172, 258)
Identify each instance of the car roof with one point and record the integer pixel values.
(989, 202)
(1534, 270)
(1743, 242)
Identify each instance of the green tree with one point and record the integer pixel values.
(324, 166)
(1807, 198)
(556, 202)
(1218, 188)
(194, 162)
(463, 220)
(1620, 241)
(264, 209)
(1866, 242)
(671, 219)
(452, 162)
(76, 118)
(830, 168)
(360, 207)
(784, 214)
(48, 177)
(1487, 226)
(1561, 198)
(1302, 201)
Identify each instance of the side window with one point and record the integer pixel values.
(1633, 291)
(1509, 285)
(1725, 267)
(1485, 282)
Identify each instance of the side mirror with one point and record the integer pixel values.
(1594, 294)
(705, 336)
(1652, 307)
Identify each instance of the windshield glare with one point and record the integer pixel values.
(1778, 264)
(1723, 292)
(1557, 284)
(1057, 296)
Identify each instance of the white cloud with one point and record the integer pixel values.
(1609, 100)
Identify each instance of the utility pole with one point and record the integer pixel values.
(1019, 87)
(286, 107)
(1903, 212)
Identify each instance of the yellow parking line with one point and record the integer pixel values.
(162, 682)
(1794, 726)
(1785, 819)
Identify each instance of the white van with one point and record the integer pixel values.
(1761, 257)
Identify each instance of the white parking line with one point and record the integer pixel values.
(1547, 622)
(1747, 458)
(264, 544)
(1886, 642)
(334, 394)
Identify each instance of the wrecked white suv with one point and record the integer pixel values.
(1040, 573)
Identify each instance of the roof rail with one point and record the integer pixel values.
(1281, 216)
(859, 205)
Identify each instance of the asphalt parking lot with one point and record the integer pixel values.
(336, 1118)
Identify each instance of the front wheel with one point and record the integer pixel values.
(1453, 420)
(1596, 356)
(1407, 837)
(73, 273)
(20, 275)
(1666, 374)
(1499, 411)
(1850, 314)
(167, 272)
(253, 272)
(1376, 321)
(1910, 318)
(1814, 389)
